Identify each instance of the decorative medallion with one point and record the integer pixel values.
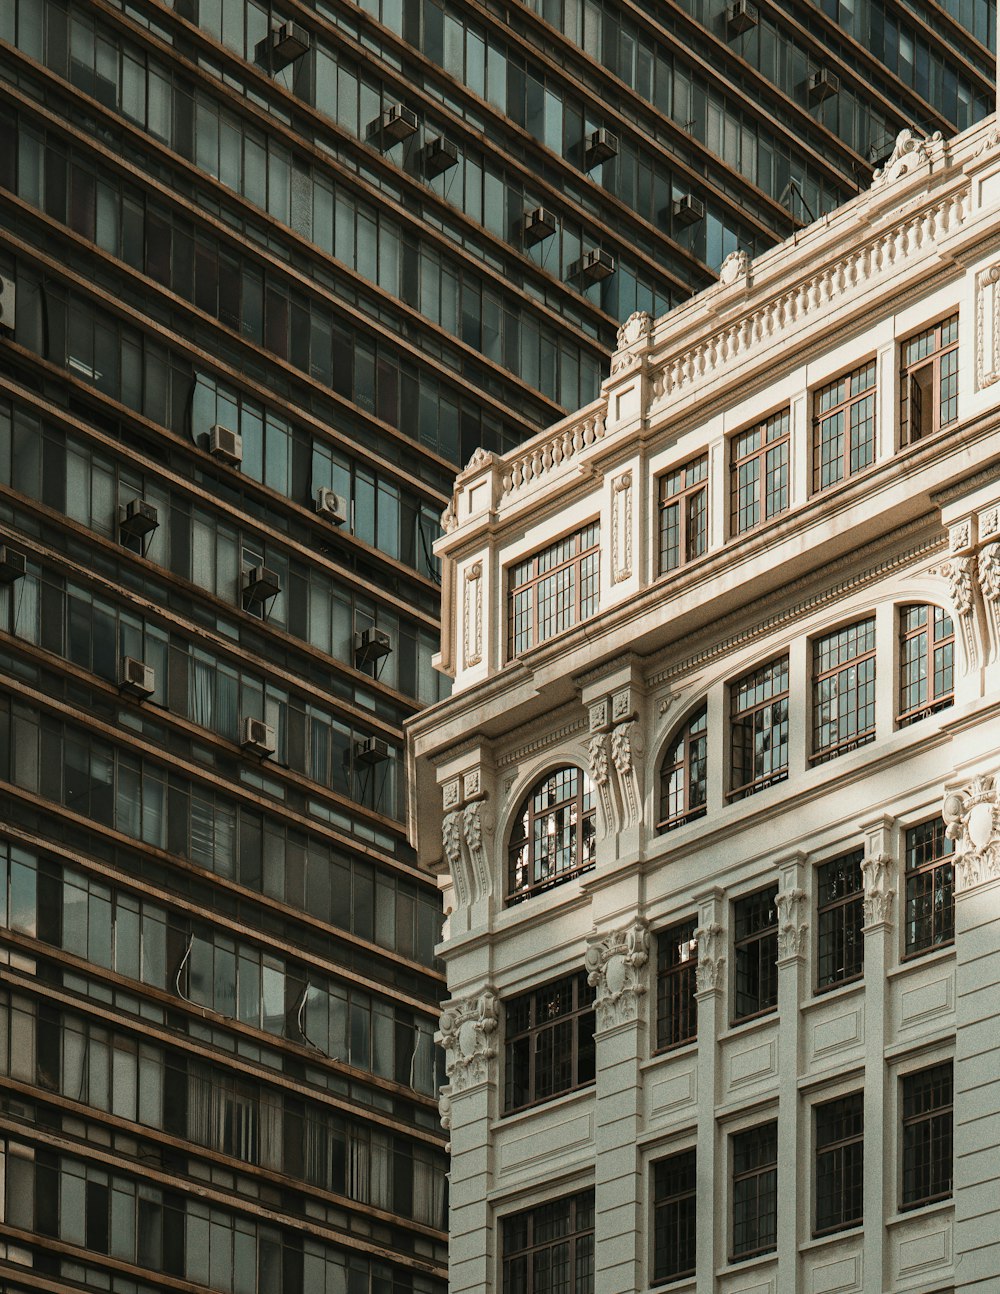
(466, 1034)
(616, 968)
(972, 818)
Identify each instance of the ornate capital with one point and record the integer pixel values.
(711, 968)
(878, 874)
(792, 930)
(466, 1033)
(597, 758)
(972, 818)
(616, 967)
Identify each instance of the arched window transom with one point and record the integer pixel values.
(553, 835)
(683, 774)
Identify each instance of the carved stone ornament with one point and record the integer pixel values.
(792, 930)
(597, 758)
(960, 536)
(972, 818)
(474, 823)
(621, 528)
(444, 1108)
(451, 843)
(621, 747)
(616, 967)
(988, 327)
(989, 522)
(450, 793)
(878, 875)
(735, 267)
(466, 1034)
(480, 458)
(710, 972)
(598, 716)
(989, 571)
(635, 328)
(909, 153)
(473, 607)
(960, 573)
(449, 518)
(625, 748)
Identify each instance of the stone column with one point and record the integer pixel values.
(793, 1183)
(468, 1102)
(973, 817)
(618, 967)
(713, 1220)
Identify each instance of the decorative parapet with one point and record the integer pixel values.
(466, 1034)
(792, 928)
(972, 818)
(616, 967)
(545, 454)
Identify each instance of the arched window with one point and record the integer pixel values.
(926, 662)
(683, 774)
(552, 837)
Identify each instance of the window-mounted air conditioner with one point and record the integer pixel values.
(137, 678)
(371, 645)
(396, 123)
(226, 445)
(687, 209)
(11, 564)
(137, 519)
(438, 155)
(822, 85)
(258, 738)
(282, 46)
(741, 15)
(261, 583)
(595, 265)
(602, 144)
(333, 506)
(8, 294)
(373, 750)
(538, 224)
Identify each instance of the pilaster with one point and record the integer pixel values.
(793, 930)
(712, 1243)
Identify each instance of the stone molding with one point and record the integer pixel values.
(878, 874)
(467, 1029)
(466, 830)
(545, 739)
(792, 928)
(616, 966)
(972, 818)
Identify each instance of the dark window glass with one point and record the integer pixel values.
(840, 1127)
(676, 1005)
(928, 381)
(926, 662)
(840, 920)
(549, 1042)
(755, 953)
(927, 1135)
(930, 887)
(844, 426)
(553, 836)
(684, 774)
(674, 1233)
(553, 590)
(759, 729)
(759, 473)
(550, 1249)
(843, 690)
(755, 1190)
(684, 514)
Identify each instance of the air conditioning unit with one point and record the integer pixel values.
(332, 506)
(8, 294)
(373, 750)
(283, 46)
(260, 584)
(687, 209)
(137, 678)
(395, 124)
(438, 155)
(602, 144)
(226, 445)
(741, 15)
(595, 265)
(137, 518)
(538, 224)
(11, 564)
(371, 645)
(822, 85)
(258, 738)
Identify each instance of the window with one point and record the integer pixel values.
(759, 473)
(928, 381)
(550, 1249)
(554, 590)
(674, 1234)
(683, 514)
(930, 887)
(550, 1042)
(755, 953)
(759, 729)
(927, 1136)
(844, 427)
(553, 835)
(840, 920)
(683, 774)
(755, 1190)
(676, 1005)
(843, 690)
(840, 1128)
(926, 662)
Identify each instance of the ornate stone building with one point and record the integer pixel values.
(714, 803)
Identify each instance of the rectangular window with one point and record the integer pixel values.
(755, 1191)
(840, 920)
(930, 887)
(676, 1006)
(554, 590)
(843, 690)
(928, 381)
(550, 1042)
(759, 729)
(550, 1249)
(844, 426)
(674, 1233)
(755, 953)
(926, 662)
(683, 514)
(840, 1128)
(759, 473)
(927, 1136)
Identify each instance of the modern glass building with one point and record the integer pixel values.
(268, 275)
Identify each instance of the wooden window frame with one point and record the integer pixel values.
(861, 385)
(676, 985)
(578, 1238)
(757, 718)
(688, 748)
(533, 577)
(675, 1207)
(928, 877)
(774, 435)
(840, 923)
(927, 1136)
(576, 812)
(943, 362)
(691, 480)
(759, 944)
(839, 1163)
(935, 645)
(522, 1050)
(765, 1174)
(861, 736)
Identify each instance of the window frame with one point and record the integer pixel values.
(928, 656)
(582, 822)
(676, 985)
(852, 898)
(581, 1010)
(761, 471)
(855, 397)
(934, 360)
(845, 1175)
(942, 863)
(691, 492)
(529, 1218)
(860, 737)
(759, 1172)
(766, 965)
(758, 678)
(674, 1213)
(686, 739)
(939, 1121)
(586, 545)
